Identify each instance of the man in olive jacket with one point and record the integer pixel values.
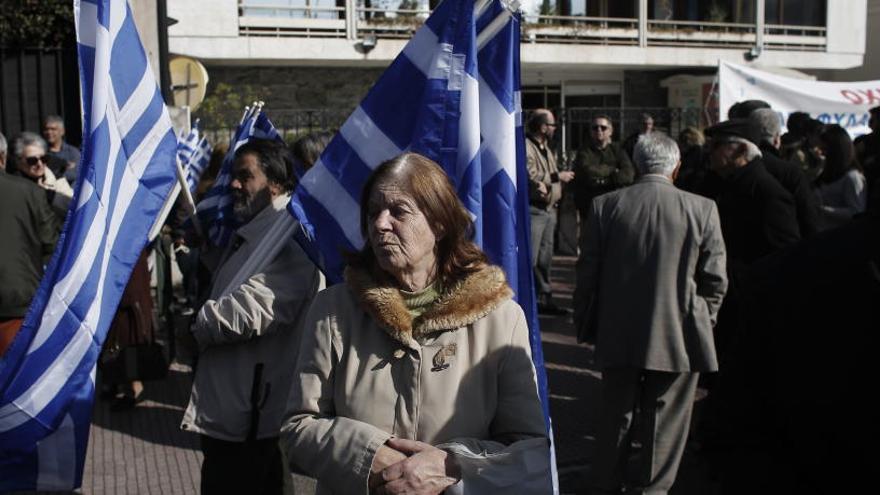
(601, 167)
(652, 267)
(29, 234)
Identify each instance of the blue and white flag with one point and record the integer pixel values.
(452, 95)
(215, 211)
(127, 169)
(193, 154)
(187, 144)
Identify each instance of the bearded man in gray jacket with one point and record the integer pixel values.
(653, 264)
(247, 333)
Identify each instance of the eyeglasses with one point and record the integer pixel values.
(33, 160)
(599, 128)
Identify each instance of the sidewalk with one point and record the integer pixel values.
(143, 451)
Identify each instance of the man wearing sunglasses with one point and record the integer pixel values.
(600, 167)
(33, 164)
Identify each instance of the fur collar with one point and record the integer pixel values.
(463, 303)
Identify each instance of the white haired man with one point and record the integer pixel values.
(765, 129)
(650, 279)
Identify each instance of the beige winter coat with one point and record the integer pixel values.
(366, 372)
(257, 322)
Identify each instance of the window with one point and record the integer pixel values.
(293, 9)
(795, 12)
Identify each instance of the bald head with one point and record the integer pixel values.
(541, 124)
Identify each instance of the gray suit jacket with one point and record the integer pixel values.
(654, 261)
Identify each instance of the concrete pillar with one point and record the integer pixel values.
(147, 22)
(760, 14)
(351, 19)
(643, 23)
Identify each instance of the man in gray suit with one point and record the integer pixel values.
(650, 279)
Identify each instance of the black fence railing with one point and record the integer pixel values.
(35, 82)
(291, 124)
(626, 121)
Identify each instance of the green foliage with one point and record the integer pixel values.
(547, 8)
(223, 108)
(36, 23)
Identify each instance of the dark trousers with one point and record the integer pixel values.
(244, 467)
(543, 225)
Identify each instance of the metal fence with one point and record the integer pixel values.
(290, 123)
(35, 83)
(626, 121)
(574, 122)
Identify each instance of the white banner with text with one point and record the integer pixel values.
(842, 103)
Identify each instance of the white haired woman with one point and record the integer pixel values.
(33, 163)
(419, 363)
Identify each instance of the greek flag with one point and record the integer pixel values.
(47, 377)
(194, 155)
(215, 211)
(452, 95)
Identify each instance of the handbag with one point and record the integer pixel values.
(140, 360)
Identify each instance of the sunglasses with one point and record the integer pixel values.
(33, 160)
(599, 127)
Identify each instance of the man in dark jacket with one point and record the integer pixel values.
(601, 167)
(758, 215)
(29, 234)
(758, 218)
(765, 130)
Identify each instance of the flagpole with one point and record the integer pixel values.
(171, 200)
(187, 196)
(265, 252)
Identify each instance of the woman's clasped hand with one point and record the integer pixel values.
(412, 467)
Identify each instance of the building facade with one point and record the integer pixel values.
(580, 57)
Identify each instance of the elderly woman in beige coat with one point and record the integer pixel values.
(415, 374)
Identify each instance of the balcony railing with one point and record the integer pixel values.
(356, 22)
(580, 30)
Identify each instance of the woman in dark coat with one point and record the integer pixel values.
(132, 325)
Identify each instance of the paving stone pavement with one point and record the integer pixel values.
(143, 451)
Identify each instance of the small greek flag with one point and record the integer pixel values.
(452, 95)
(194, 155)
(127, 169)
(215, 211)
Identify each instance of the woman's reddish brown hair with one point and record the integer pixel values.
(429, 186)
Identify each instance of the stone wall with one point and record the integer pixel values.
(300, 88)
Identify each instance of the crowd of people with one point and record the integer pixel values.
(722, 254)
(735, 259)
